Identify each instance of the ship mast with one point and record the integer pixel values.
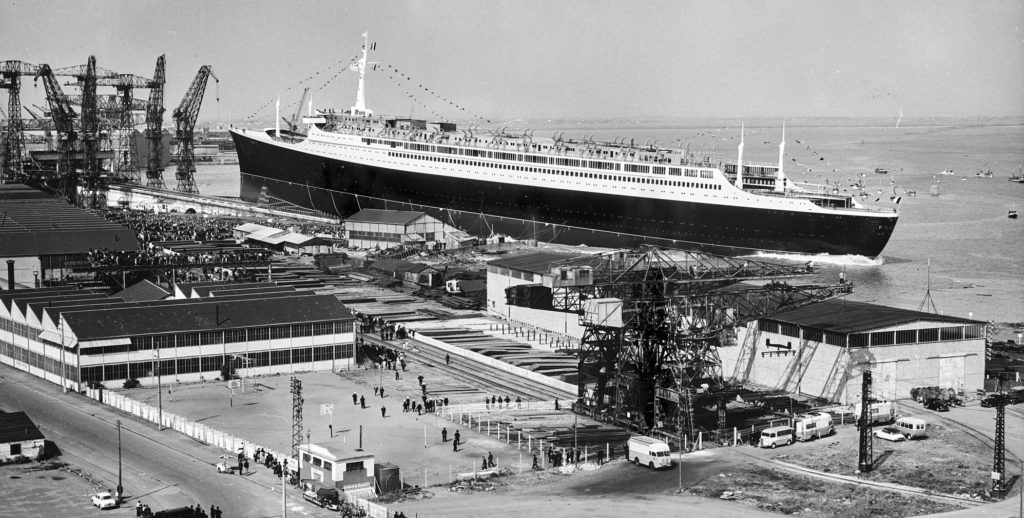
(360, 107)
(739, 161)
(780, 177)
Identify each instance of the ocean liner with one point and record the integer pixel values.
(610, 194)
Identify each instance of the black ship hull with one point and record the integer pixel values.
(560, 216)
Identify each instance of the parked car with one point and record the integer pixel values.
(772, 437)
(104, 500)
(936, 404)
(222, 467)
(890, 433)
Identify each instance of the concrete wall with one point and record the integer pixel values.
(29, 449)
(143, 198)
(834, 373)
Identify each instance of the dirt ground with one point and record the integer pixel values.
(51, 486)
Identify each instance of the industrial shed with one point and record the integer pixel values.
(822, 349)
(375, 228)
(19, 436)
(40, 234)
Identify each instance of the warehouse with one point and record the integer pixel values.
(41, 234)
(374, 228)
(822, 349)
(528, 279)
(109, 340)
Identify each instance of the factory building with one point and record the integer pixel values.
(77, 337)
(282, 240)
(822, 349)
(40, 234)
(529, 279)
(374, 228)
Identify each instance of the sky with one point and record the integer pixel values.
(561, 60)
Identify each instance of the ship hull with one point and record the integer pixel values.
(560, 216)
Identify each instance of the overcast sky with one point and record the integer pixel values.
(553, 59)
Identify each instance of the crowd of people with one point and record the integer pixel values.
(152, 227)
(158, 256)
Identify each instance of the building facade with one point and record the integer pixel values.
(19, 436)
(823, 349)
(74, 340)
(374, 228)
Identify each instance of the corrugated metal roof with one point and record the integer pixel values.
(32, 227)
(248, 227)
(17, 427)
(190, 315)
(142, 290)
(390, 217)
(845, 316)
(536, 262)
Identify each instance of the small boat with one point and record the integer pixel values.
(881, 170)
(912, 193)
(1019, 177)
(947, 172)
(1012, 214)
(985, 174)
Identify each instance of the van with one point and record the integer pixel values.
(776, 435)
(813, 425)
(880, 412)
(912, 427)
(650, 452)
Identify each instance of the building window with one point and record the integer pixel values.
(813, 335)
(346, 351)
(906, 337)
(327, 465)
(317, 462)
(280, 357)
(952, 333)
(859, 340)
(928, 335)
(883, 338)
(353, 466)
(837, 339)
(278, 332)
(789, 329)
(15, 448)
(304, 355)
(974, 332)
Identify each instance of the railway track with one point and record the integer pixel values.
(952, 423)
(475, 373)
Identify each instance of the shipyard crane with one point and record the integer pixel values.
(63, 115)
(653, 321)
(185, 122)
(154, 128)
(87, 76)
(14, 138)
(126, 167)
(293, 123)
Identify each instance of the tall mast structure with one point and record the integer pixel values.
(185, 122)
(14, 138)
(154, 126)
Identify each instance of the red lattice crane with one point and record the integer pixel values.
(185, 122)
(14, 138)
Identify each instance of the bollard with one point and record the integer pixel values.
(519, 434)
(607, 451)
(488, 426)
(700, 440)
(735, 440)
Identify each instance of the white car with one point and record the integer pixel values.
(890, 433)
(104, 500)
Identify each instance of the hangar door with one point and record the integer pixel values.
(884, 380)
(951, 372)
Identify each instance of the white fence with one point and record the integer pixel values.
(208, 435)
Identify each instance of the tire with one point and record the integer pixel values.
(774, 445)
(650, 465)
(789, 441)
(636, 460)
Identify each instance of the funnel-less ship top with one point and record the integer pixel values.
(553, 189)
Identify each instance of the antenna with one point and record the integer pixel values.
(928, 303)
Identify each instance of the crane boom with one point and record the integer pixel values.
(63, 115)
(154, 125)
(14, 140)
(185, 116)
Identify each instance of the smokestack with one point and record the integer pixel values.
(10, 274)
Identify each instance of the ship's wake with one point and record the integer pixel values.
(838, 260)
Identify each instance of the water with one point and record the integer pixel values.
(976, 253)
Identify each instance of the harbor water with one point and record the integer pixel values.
(975, 252)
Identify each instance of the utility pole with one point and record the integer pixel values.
(120, 490)
(296, 389)
(999, 486)
(864, 462)
(159, 390)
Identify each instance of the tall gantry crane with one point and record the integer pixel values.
(63, 116)
(14, 138)
(87, 76)
(653, 322)
(126, 162)
(185, 122)
(154, 127)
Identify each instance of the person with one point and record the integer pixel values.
(420, 377)
(138, 508)
(535, 465)
(508, 402)
(396, 375)
(600, 457)
(484, 459)
(490, 459)
(376, 390)
(382, 392)
(355, 399)
(556, 403)
(519, 402)
(455, 445)
(245, 464)
(444, 435)
(447, 359)
(362, 402)
(383, 411)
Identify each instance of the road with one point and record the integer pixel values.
(162, 468)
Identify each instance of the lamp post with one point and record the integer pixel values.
(120, 489)
(159, 388)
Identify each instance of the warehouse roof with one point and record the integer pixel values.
(536, 262)
(17, 427)
(143, 290)
(844, 316)
(187, 316)
(32, 227)
(390, 217)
